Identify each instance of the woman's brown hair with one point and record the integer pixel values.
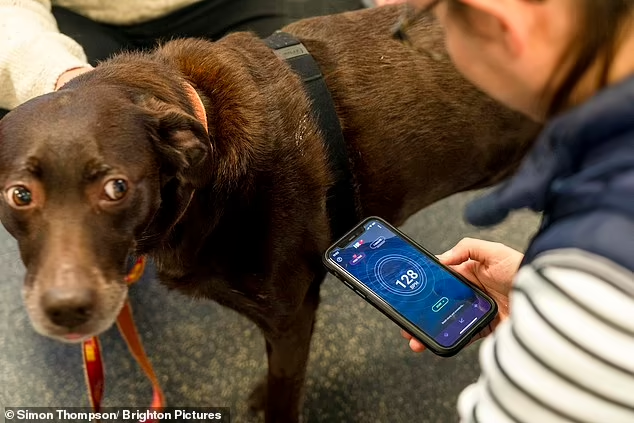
(595, 44)
(600, 26)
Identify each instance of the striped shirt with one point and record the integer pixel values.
(566, 353)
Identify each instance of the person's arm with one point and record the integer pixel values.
(565, 353)
(33, 53)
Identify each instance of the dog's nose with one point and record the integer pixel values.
(68, 307)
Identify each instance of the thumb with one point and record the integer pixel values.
(468, 249)
(453, 257)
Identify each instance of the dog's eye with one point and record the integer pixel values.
(19, 196)
(116, 189)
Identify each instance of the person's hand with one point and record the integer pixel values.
(70, 74)
(386, 2)
(491, 266)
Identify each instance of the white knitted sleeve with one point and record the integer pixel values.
(33, 53)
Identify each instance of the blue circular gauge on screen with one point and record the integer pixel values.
(400, 275)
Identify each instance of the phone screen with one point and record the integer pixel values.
(413, 284)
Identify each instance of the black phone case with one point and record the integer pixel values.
(391, 313)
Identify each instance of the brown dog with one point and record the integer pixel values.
(116, 164)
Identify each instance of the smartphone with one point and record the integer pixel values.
(410, 286)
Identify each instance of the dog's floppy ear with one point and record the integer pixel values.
(181, 142)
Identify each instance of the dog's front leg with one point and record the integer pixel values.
(287, 350)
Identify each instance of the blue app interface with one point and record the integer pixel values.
(428, 296)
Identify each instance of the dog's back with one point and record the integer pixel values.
(417, 131)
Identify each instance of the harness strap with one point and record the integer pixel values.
(341, 203)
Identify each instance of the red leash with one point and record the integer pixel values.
(93, 364)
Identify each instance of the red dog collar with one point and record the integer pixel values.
(93, 364)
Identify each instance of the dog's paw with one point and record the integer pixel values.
(257, 399)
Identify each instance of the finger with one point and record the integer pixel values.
(386, 2)
(469, 249)
(416, 346)
(65, 77)
(414, 343)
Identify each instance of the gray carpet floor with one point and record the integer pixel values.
(360, 369)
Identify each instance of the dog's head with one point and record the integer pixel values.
(83, 173)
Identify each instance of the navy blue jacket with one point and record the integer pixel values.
(581, 176)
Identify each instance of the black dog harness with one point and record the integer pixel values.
(341, 196)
